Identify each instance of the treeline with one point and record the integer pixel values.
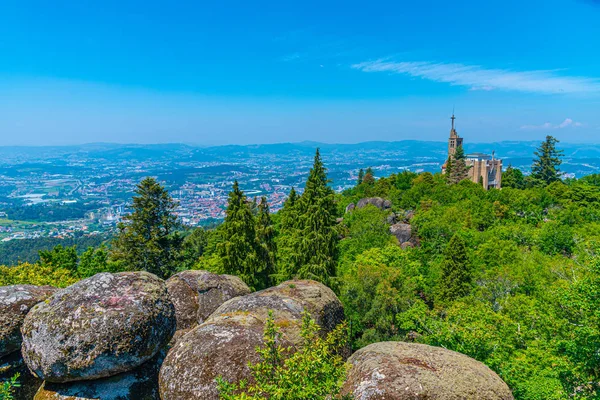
(27, 250)
(49, 212)
(510, 277)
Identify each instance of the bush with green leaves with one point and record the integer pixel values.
(315, 370)
(8, 388)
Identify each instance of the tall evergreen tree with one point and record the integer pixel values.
(289, 223)
(148, 239)
(369, 177)
(456, 271)
(449, 169)
(459, 169)
(545, 166)
(361, 175)
(265, 236)
(315, 241)
(238, 248)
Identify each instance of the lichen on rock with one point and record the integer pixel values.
(411, 371)
(15, 303)
(196, 294)
(98, 327)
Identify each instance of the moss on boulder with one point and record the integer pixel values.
(411, 371)
(196, 294)
(226, 342)
(98, 327)
(15, 303)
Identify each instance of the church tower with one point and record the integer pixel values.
(454, 141)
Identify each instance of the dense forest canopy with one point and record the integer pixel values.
(509, 277)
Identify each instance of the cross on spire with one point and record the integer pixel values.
(453, 118)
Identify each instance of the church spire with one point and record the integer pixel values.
(453, 118)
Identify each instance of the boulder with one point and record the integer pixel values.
(98, 327)
(406, 245)
(391, 219)
(226, 342)
(196, 294)
(13, 364)
(140, 383)
(402, 231)
(375, 201)
(350, 207)
(15, 303)
(287, 301)
(411, 371)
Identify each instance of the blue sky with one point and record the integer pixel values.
(333, 71)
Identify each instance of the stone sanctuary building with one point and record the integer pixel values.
(482, 167)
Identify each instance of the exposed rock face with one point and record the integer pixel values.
(98, 327)
(350, 207)
(391, 219)
(410, 371)
(12, 364)
(402, 231)
(196, 294)
(226, 342)
(15, 303)
(376, 201)
(138, 384)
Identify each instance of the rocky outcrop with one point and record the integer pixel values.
(98, 327)
(15, 303)
(138, 384)
(402, 232)
(226, 342)
(350, 207)
(375, 201)
(410, 371)
(196, 294)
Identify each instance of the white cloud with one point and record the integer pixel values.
(476, 77)
(568, 122)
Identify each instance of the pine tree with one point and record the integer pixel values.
(513, 178)
(459, 169)
(369, 177)
(289, 223)
(238, 249)
(361, 175)
(148, 239)
(315, 242)
(267, 249)
(449, 169)
(545, 166)
(456, 271)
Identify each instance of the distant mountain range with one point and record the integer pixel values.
(579, 159)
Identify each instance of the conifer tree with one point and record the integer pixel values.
(289, 222)
(148, 239)
(545, 166)
(513, 178)
(361, 175)
(315, 242)
(369, 177)
(265, 236)
(456, 271)
(449, 169)
(238, 249)
(459, 169)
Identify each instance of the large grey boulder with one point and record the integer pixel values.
(375, 201)
(196, 294)
(411, 371)
(140, 383)
(226, 342)
(402, 232)
(98, 327)
(15, 303)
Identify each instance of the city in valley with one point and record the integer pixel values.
(85, 190)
